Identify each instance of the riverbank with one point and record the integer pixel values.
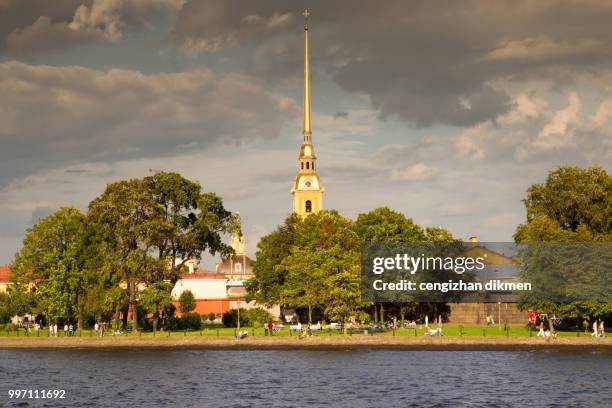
(322, 343)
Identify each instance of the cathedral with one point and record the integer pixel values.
(224, 289)
(307, 189)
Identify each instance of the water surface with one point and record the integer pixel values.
(308, 378)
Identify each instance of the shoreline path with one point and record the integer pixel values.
(315, 343)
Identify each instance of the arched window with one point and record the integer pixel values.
(308, 206)
(302, 165)
(313, 165)
(307, 165)
(238, 267)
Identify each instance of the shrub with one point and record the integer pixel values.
(211, 316)
(248, 317)
(230, 318)
(187, 302)
(257, 317)
(190, 321)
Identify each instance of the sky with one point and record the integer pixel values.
(446, 111)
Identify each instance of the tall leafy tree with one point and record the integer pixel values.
(126, 215)
(385, 225)
(188, 223)
(61, 255)
(573, 205)
(157, 300)
(304, 284)
(572, 197)
(269, 278)
(328, 242)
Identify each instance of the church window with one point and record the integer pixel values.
(302, 165)
(307, 165)
(308, 206)
(238, 267)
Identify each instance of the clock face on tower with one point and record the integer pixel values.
(308, 183)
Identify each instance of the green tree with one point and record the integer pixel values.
(268, 282)
(572, 197)
(157, 300)
(189, 222)
(573, 205)
(115, 300)
(187, 303)
(126, 216)
(304, 284)
(61, 254)
(385, 225)
(329, 243)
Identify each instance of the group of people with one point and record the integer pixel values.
(598, 329)
(242, 334)
(68, 330)
(100, 329)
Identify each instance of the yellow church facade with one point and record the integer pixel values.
(307, 190)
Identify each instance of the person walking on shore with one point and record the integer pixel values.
(55, 329)
(602, 332)
(97, 329)
(594, 334)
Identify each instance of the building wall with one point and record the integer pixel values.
(301, 196)
(201, 288)
(476, 313)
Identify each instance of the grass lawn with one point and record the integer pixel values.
(447, 330)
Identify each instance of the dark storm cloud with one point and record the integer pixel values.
(32, 26)
(53, 116)
(427, 62)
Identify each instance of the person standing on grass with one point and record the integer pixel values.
(541, 331)
(270, 327)
(594, 334)
(602, 332)
(97, 328)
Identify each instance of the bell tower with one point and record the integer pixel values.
(307, 189)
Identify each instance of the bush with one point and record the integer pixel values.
(211, 316)
(248, 317)
(257, 317)
(230, 318)
(189, 321)
(187, 303)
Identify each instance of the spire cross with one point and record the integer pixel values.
(306, 13)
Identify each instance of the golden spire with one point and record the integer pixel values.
(306, 130)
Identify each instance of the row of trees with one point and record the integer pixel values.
(314, 263)
(573, 205)
(126, 252)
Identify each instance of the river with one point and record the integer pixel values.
(307, 378)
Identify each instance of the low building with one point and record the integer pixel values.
(4, 278)
(220, 291)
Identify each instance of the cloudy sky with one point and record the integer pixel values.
(446, 111)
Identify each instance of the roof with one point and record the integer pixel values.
(224, 266)
(201, 273)
(5, 270)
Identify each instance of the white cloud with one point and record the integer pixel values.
(415, 172)
(558, 133)
(541, 48)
